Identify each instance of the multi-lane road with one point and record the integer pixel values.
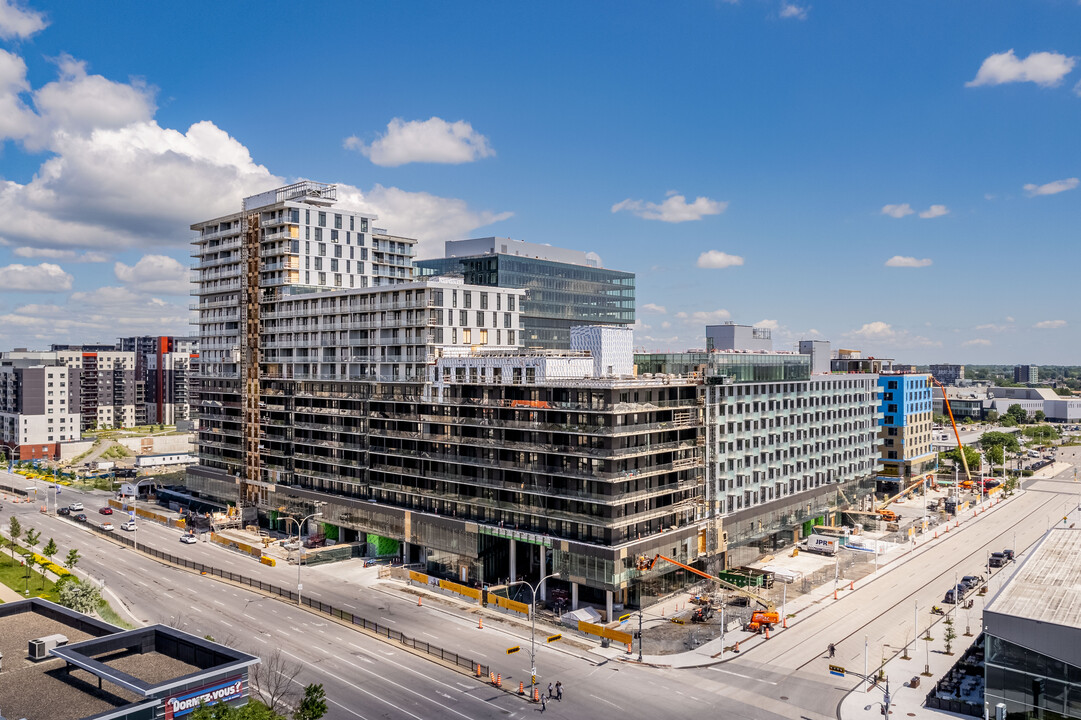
(368, 678)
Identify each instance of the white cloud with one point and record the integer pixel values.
(1049, 324)
(154, 274)
(16, 119)
(100, 314)
(1046, 69)
(1009, 319)
(716, 260)
(995, 327)
(19, 22)
(897, 211)
(429, 218)
(791, 11)
(674, 209)
(876, 330)
(433, 141)
(54, 254)
(903, 261)
(934, 211)
(1051, 188)
(45, 277)
(767, 324)
(666, 324)
(654, 308)
(976, 341)
(705, 317)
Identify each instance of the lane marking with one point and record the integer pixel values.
(430, 635)
(226, 623)
(598, 697)
(388, 619)
(745, 677)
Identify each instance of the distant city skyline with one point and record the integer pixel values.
(898, 179)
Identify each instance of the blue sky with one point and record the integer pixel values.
(900, 177)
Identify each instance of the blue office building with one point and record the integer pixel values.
(907, 455)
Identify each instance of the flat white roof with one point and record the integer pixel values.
(1047, 586)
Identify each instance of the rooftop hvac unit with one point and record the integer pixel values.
(39, 648)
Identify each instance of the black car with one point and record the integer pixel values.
(1008, 554)
(955, 595)
(63, 511)
(81, 517)
(996, 560)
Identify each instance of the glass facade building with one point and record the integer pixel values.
(559, 295)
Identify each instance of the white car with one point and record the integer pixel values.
(129, 526)
(107, 527)
(75, 507)
(188, 539)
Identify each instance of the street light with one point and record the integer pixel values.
(533, 628)
(300, 524)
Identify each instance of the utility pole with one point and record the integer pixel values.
(640, 638)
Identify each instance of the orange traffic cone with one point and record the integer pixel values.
(784, 623)
(536, 695)
(767, 633)
(491, 677)
(480, 623)
(419, 603)
(737, 646)
(851, 584)
(521, 688)
(499, 680)
(478, 669)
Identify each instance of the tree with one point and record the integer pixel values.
(80, 597)
(72, 559)
(971, 455)
(273, 680)
(1001, 439)
(254, 710)
(950, 635)
(48, 551)
(1018, 413)
(30, 563)
(1039, 416)
(15, 529)
(313, 705)
(992, 416)
(32, 538)
(1008, 421)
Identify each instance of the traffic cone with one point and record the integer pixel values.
(480, 623)
(784, 623)
(737, 646)
(521, 688)
(536, 694)
(419, 603)
(851, 584)
(767, 632)
(834, 593)
(662, 612)
(478, 669)
(936, 534)
(499, 680)
(491, 677)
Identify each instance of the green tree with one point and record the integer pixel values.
(1018, 413)
(992, 416)
(254, 710)
(15, 529)
(313, 705)
(1008, 421)
(72, 559)
(950, 635)
(79, 596)
(971, 454)
(48, 551)
(1039, 416)
(32, 538)
(30, 563)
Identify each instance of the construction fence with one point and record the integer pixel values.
(434, 651)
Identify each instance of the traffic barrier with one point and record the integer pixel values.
(629, 648)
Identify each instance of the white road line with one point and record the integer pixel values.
(226, 623)
(388, 619)
(617, 707)
(351, 607)
(745, 677)
(371, 694)
(430, 635)
(260, 639)
(220, 603)
(142, 583)
(196, 608)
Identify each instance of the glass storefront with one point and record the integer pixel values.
(1032, 685)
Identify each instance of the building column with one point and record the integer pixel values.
(513, 560)
(543, 572)
(574, 596)
(608, 605)
(405, 553)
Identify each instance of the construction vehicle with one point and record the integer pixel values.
(702, 614)
(956, 433)
(766, 618)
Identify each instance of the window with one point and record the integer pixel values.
(333, 265)
(484, 301)
(483, 337)
(322, 278)
(322, 219)
(349, 266)
(307, 263)
(318, 263)
(498, 336)
(338, 221)
(352, 253)
(506, 320)
(467, 299)
(510, 337)
(510, 303)
(454, 298)
(318, 234)
(463, 317)
(480, 318)
(307, 278)
(337, 251)
(337, 279)
(334, 236)
(307, 217)
(322, 249)
(454, 336)
(360, 236)
(467, 336)
(364, 225)
(307, 248)
(351, 218)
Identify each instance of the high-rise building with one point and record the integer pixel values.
(39, 407)
(731, 336)
(564, 288)
(1027, 374)
(163, 366)
(948, 374)
(907, 453)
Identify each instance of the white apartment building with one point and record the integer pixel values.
(39, 408)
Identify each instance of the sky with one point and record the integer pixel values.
(900, 178)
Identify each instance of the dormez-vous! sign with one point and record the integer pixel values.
(180, 705)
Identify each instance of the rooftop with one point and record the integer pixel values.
(1047, 586)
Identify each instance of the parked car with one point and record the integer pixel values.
(80, 517)
(973, 580)
(1008, 554)
(955, 594)
(188, 539)
(75, 506)
(107, 527)
(997, 560)
(106, 510)
(63, 511)
(129, 526)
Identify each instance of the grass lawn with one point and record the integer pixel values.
(13, 575)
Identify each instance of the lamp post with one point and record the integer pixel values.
(300, 524)
(533, 629)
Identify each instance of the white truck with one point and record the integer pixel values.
(106, 465)
(822, 544)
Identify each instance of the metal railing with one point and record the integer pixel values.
(391, 634)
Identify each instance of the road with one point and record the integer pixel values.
(364, 677)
